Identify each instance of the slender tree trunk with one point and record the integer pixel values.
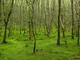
(78, 32)
(30, 34)
(0, 10)
(34, 48)
(63, 29)
(64, 36)
(9, 31)
(59, 12)
(20, 20)
(33, 28)
(72, 8)
(0, 17)
(5, 32)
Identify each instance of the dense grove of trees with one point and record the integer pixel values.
(32, 16)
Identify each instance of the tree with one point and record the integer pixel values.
(78, 28)
(59, 13)
(0, 10)
(0, 17)
(77, 11)
(6, 21)
(63, 22)
(78, 24)
(31, 22)
(72, 9)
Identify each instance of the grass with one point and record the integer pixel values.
(46, 50)
(20, 48)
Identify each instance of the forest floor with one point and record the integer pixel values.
(46, 50)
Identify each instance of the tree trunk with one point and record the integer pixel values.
(9, 31)
(0, 18)
(78, 32)
(5, 32)
(72, 8)
(59, 12)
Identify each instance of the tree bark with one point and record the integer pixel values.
(72, 8)
(59, 12)
(78, 31)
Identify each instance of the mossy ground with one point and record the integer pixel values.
(46, 50)
(20, 48)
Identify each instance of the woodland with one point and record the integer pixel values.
(39, 29)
